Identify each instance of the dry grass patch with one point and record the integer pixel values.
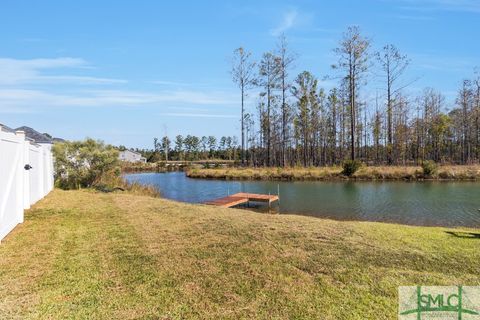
(331, 173)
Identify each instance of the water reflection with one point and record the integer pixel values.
(416, 203)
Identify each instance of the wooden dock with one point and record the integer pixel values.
(241, 198)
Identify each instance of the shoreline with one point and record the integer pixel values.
(394, 173)
(331, 218)
(275, 211)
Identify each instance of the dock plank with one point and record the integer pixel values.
(241, 198)
(228, 202)
(257, 197)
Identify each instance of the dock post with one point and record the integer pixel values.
(278, 192)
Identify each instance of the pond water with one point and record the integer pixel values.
(414, 203)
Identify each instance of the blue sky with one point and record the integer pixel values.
(127, 71)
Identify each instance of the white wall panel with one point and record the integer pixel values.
(20, 188)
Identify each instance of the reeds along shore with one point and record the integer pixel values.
(332, 173)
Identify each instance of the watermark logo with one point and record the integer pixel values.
(452, 302)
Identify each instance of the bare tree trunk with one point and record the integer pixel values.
(243, 126)
(352, 113)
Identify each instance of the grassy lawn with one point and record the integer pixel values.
(88, 255)
(330, 173)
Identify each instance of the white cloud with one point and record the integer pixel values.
(80, 80)
(164, 97)
(26, 87)
(15, 72)
(289, 20)
(35, 100)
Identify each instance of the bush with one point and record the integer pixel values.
(83, 163)
(429, 168)
(350, 167)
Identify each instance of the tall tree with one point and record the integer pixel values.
(223, 143)
(377, 132)
(179, 146)
(393, 64)
(268, 81)
(243, 74)
(285, 60)
(464, 101)
(304, 90)
(156, 145)
(212, 144)
(353, 60)
(248, 134)
(333, 103)
(166, 146)
(476, 89)
(204, 144)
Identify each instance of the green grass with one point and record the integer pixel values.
(87, 255)
(471, 172)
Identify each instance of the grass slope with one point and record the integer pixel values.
(87, 255)
(330, 173)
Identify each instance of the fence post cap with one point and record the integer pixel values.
(20, 133)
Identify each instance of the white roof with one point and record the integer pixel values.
(134, 152)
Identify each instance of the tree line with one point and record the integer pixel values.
(297, 122)
(192, 148)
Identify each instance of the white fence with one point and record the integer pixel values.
(19, 187)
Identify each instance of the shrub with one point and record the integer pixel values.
(82, 163)
(429, 168)
(350, 167)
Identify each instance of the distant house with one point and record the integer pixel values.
(131, 156)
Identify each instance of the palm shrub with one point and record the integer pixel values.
(429, 168)
(350, 167)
